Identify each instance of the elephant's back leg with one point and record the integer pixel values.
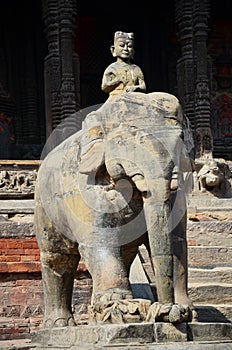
(130, 250)
(110, 279)
(59, 261)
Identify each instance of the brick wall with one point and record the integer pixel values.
(19, 255)
(21, 291)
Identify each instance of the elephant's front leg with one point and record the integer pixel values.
(179, 224)
(161, 250)
(180, 253)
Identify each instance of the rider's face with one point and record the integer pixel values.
(124, 48)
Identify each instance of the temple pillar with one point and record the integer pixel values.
(204, 138)
(193, 71)
(185, 64)
(61, 65)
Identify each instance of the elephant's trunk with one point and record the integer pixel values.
(160, 242)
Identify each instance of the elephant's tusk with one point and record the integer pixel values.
(111, 186)
(140, 183)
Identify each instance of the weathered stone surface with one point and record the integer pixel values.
(133, 333)
(165, 332)
(11, 229)
(209, 257)
(224, 345)
(14, 206)
(208, 203)
(211, 232)
(216, 275)
(96, 335)
(210, 331)
(137, 336)
(213, 293)
(17, 345)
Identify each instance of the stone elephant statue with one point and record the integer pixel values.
(119, 182)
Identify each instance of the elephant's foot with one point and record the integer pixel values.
(173, 313)
(119, 311)
(61, 320)
(185, 300)
(117, 306)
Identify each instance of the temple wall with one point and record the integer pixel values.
(21, 290)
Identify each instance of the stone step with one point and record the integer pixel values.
(215, 275)
(208, 203)
(210, 232)
(198, 257)
(210, 292)
(209, 256)
(205, 293)
(17, 344)
(15, 206)
(133, 336)
(16, 229)
(191, 345)
(214, 312)
(214, 263)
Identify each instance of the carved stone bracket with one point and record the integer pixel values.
(17, 178)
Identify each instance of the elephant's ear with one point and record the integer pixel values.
(92, 150)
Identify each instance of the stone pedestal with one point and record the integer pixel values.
(134, 336)
(110, 334)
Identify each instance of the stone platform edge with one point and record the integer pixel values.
(132, 333)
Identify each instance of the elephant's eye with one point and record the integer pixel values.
(95, 132)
